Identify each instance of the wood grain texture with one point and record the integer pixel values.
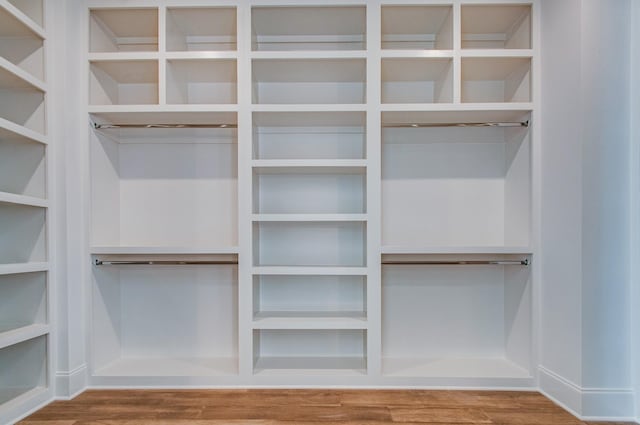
(303, 407)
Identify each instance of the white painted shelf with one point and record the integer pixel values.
(409, 250)
(302, 366)
(13, 76)
(302, 270)
(309, 217)
(13, 131)
(21, 334)
(149, 366)
(31, 201)
(453, 368)
(23, 268)
(16, 22)
(309, 320)
(161, 250)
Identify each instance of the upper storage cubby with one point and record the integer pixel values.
(309, 28)
(133, 82)
(309, 81)
(496, 80)
(20, 45)
(201, 29)
(201, 81)
(123, 30)
(417, 80)
(417, 27)
(31, 8)
(309, 135)
(496, 26)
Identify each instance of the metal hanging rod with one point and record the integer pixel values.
(163, 263)
(116, 126)
(460, 124)
(458, 263)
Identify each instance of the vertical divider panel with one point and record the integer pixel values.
(162, 55)
(245, 188)
(374, 183)
(457, 61)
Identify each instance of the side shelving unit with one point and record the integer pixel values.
(25, 292)
(164, 206)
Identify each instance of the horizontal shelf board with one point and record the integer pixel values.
(408, 117)
(309, 217)
(23, 268)
(10, 397)
(457, 107)
(310, 366)
(122, 56)
(453, 368)
(12, 77)
(308, 107)
(309, 54)
(214, 366)
(161, 250)
(302, 270)
(139, 109)
(309, 166)
(163, 115)
(417, 54)
(393, 249)
(195, 55)
(15, 18)
(11, 130)
(31, 201)
(310, 320)
(22, 334)
(497, 53)
(23, 77)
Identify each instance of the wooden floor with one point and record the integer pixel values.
(280, 407)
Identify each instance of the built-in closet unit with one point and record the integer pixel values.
(298, 193)
(25, 281)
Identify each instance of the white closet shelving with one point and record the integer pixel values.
(25, 328)
(339, 154)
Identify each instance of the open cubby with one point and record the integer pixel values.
(22, 103)
(278, 296)
(417, 80)
(22, 165)
(160, 320)
(23, 300)
(201, 29)
(310, 81)
(20, 45)
(496, 80)
(475, 321)
(309, 27)
(309, 191)
(331, 244)
(312, 351)
(23, 233)
(496, 26)
(455, 186)
(164, 187)
(24, 368)
(131, 82)
(309, 135)
(202, 81)
(123, 30)
(417, 27)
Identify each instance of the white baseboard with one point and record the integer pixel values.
(71, 383)
(588, 404)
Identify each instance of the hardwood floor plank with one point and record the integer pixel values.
(439, 415)
(304, 407)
